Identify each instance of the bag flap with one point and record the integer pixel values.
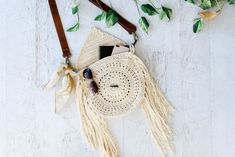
(90, 50)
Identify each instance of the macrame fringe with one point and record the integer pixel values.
(157, 111)
(94, 126)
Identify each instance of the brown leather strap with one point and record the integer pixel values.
(129, 27)
(59, 29)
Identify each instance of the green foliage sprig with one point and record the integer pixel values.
(150, 9)
(211, 9)
(111, 17)
(75, 11)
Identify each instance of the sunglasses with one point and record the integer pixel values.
(87, 74)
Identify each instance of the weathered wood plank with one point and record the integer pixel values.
(194, 70)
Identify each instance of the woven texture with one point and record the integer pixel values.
(121, 85)
(90, 50)
(124, 82)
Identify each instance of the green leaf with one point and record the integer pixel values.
(191, 1)
(111, 18)
(74, 28)
(215, 3)
(197, 25)
(149, 9)
(165, 13)
(231, 1)
(75, 9)
(205, 4)
(100, 17)
(144, 24)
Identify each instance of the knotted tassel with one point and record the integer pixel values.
(62, 95)
(157, 111)
(94, 126)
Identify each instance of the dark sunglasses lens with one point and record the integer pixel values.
(93, 87)
(87, 74)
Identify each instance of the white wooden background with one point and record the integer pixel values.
(196, 71)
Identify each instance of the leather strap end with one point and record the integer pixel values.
(59, 29)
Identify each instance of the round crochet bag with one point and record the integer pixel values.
(120, 80)
(122, 83)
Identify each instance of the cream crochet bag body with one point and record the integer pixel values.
(123, 83)
(136, 88)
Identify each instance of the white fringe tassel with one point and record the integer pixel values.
(157, 111)
(94, 126)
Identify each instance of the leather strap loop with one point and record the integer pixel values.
(59, 29)
(129, 27)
